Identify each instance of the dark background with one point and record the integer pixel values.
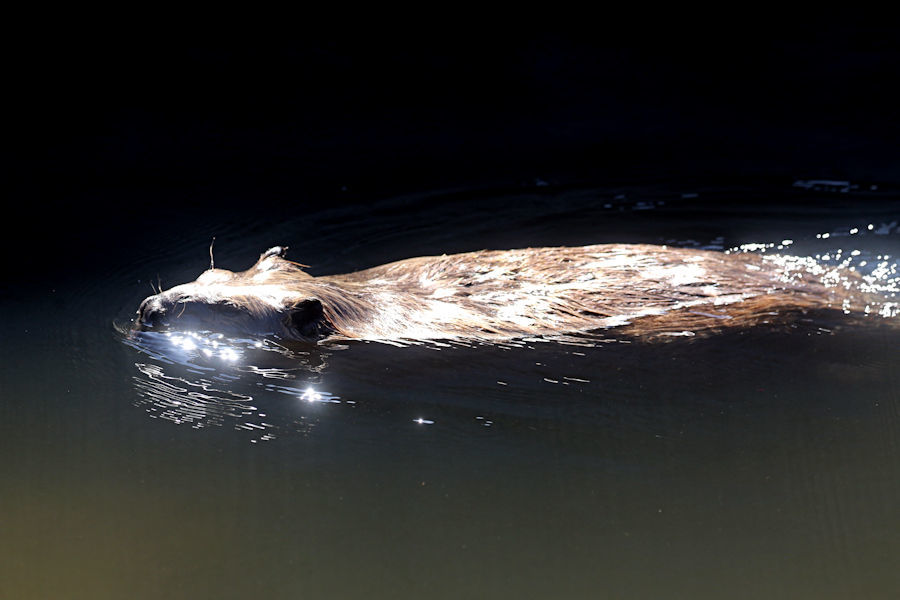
(105, 137)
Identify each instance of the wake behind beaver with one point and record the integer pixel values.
(644, 290)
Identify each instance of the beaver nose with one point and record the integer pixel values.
(150, 310)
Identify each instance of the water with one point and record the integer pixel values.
(755, 463)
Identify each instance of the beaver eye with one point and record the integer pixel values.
(307, 316)
(229, 308)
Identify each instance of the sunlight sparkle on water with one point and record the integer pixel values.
(311, 395)
(207, 345)
(185, 343)
(853, 269)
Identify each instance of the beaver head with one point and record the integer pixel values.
(274, 296)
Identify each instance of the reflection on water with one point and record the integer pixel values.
(206, 378)
(755, 463)
(183, 401)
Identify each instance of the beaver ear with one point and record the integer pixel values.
(308, 318)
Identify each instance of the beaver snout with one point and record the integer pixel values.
(153, 310)
(183, 310)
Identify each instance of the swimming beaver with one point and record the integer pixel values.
(646, 289)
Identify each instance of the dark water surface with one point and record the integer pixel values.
(751, 464)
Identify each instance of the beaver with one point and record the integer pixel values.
(503, 294)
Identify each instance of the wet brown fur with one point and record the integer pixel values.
(645, 290)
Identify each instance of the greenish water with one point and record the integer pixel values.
(753, 464)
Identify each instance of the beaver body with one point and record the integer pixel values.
(501, 294)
